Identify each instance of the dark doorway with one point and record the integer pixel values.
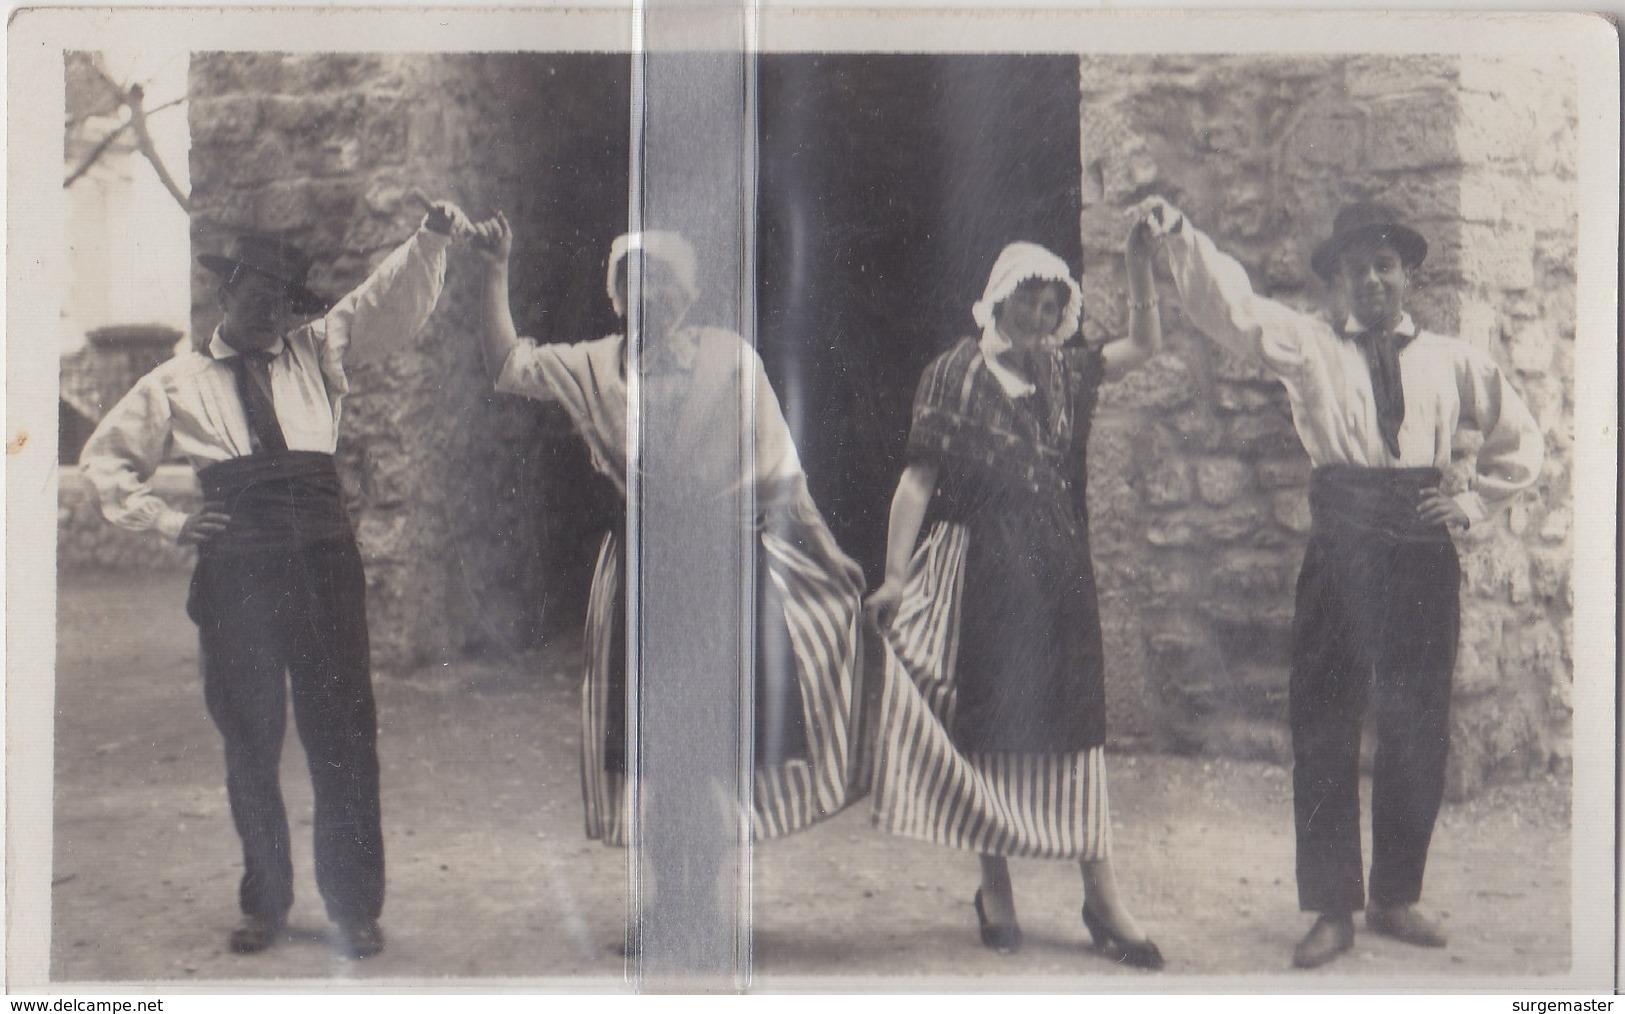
(888, 186)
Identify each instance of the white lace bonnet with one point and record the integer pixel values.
(1017, 263)
(671, 248)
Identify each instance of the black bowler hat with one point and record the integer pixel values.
(1368, 221)
(275, 259)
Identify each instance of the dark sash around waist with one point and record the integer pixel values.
(1373, 504)
(275, 499)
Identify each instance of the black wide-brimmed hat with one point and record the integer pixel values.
(1368, 221)
(276, 259)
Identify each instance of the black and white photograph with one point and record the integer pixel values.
(549, 501)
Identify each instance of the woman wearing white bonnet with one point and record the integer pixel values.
(993, 715)
(690, 373)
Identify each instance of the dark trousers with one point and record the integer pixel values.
(296, 617)
(1376, 626)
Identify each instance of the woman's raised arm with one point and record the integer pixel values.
(493, 239)
(1144, 339)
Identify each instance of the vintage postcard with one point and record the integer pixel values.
(811, 499)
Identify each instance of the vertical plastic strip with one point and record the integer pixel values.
(691, 516)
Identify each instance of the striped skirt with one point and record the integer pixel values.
(822, 607)
(1048, 806)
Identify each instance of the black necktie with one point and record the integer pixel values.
(254, 387)
(1381, 349)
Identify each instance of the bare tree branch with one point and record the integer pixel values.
(143, 139)
(95, 154)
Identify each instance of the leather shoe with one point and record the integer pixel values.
(361, 939)
(1404, 923)
(1331, 935)
(253, 935)
(1135, 953)
(1006, 939)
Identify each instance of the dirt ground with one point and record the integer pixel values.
(491, 880)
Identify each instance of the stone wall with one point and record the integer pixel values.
(85, 541)
(1197, 481)
(477, 513)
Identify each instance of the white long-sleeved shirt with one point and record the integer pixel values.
(1328, 383)
(190, 405)
(694, 379)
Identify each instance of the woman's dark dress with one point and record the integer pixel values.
(994, 707)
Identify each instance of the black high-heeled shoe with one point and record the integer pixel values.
(1004, 939)
(1135, 953)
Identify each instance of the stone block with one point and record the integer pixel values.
(1521, 516)
(1497, 74)
(1554, 154)
(1199, 430)
(1235, 398)
(1227, 132)
(229, 119)
(1168, 582)
(1262, 434)
(1478, 663)
(1548, 401)
(1246, 211)
(1172, 650)
(1252, 574)
(1283, 473)
(1162, 384)
(1285, 268)
(1495, 129)
(1168, 483)
(1419, 195)
(381, 537)
(1241, 521)
(332, 208)
(436, 138)
(1375, 77)
(1531, 348)
(1114, 153)
(1244, 739)
(1497, 256)
(336, 71)
(1335, 141)
(1170, 531)
(302, 115)
(1492, 738)
(1411, 132)
(1222, 480)
(231, 211)
(1555, 526)
(285, 206)
(1235, 368)
(1533, 654)
(1480, 324)
(265, 159)
(392, 478)
(1549, 574)
(1255, 630)
(221, 73)
(1488, 194)
(384, 136)
(1434, 305)
(1486, 569)
(1290, 508)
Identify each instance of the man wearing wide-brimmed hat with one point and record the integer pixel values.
(278, 593)
(1375, 401)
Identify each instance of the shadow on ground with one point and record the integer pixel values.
(490, 877)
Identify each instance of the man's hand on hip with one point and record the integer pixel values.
(204, 525)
